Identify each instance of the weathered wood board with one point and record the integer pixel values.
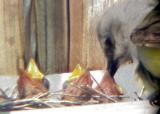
(11, 51)
(58, 34)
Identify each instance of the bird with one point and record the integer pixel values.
(120, 30)
(146, 37)
(31, 81)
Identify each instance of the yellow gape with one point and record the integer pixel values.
(78, 70)
(33, 70)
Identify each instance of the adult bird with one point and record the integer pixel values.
(124, 30)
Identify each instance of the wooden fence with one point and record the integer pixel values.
(58, 34)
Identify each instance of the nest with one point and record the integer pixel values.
(75, 92)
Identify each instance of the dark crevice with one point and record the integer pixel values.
(68, 34)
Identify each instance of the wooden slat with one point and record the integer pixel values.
(2, 42)
(84, 46)
(76, 33)
(41, 19)
(29, 30)
(52, 36)
(11, 52)
(20, 40)
(57, 45)
(94, 55)
(57, 36)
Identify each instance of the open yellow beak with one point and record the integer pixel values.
(78, 70)
(33, 70)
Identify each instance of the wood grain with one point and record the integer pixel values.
(29, 27)
(84, 47)
(76, 33)
(41, 30)
(58, 34)
(11, 51)
(52, 36)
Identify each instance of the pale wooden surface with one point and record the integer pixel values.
(11, 51)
